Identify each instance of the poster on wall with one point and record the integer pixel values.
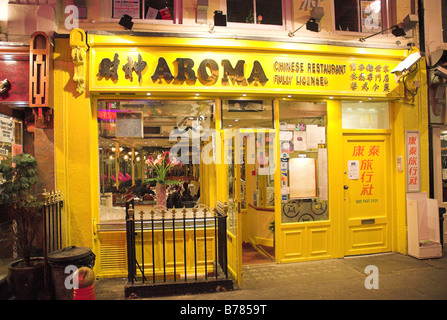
(303, 181)
(6, 130)
(129, 7)
(371, 16)
(413, 161)
(129, 124)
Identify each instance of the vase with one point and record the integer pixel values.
(24, 282)
(160, 194)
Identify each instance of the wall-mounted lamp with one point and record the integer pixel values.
(220, 19)
(398, 30)
(5, 85)
(313, 24)
(126, 22)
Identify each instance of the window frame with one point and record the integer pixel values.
(177, 14)
(443, 21)
(386, 19)
(286, 18)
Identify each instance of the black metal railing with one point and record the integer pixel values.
(180, 229)
(52, 221)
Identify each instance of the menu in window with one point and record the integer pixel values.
(303, 183)
(129, 124)
(129, 7)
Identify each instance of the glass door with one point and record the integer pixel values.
(232, 166)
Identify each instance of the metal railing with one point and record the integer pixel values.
(166, 226)
(52, 221)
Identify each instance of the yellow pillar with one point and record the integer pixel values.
(75, 135)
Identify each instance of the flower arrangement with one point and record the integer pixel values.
(161, 164)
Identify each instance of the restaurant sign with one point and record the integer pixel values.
(156, 69)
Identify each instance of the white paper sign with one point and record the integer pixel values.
(6, 130)
(353, 169)
(285, 135)
(129, 7)
(312, 136)
(300, 140)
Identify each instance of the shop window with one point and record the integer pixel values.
(263, 12)
(360, 15)
(264, 191)
(303, 161)
(253, 114)
(365, 115)
(11, 138)
(132, 131)
(154, 10)
(443, 137)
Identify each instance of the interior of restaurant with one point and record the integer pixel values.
(133, 134)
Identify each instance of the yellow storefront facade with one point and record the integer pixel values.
(331, 122)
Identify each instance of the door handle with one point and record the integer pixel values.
(346, 187)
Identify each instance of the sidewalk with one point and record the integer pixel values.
(401, 277)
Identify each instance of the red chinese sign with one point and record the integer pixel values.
(369, 153)
(413, 167)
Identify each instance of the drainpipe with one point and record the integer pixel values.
(421, 18)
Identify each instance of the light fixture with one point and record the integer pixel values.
(148, 94)
(398, 30)
(313, 24)
(126, 22)
(220, 19)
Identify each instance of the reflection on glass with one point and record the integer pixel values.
(240, 113)
(303, 145)
(255, 11)
(365, 115)
(132, 131)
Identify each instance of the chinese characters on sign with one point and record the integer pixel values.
(367, 155)
(370, 77)
(413, 174)
(143, 70)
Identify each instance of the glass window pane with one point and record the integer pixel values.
(258, 11)
(247, 114)
(269, 12)
(130, 131)
(159, 9)
(346, 15)
(304, 170)
(240, 11)
(365, 115)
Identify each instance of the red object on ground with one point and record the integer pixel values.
(84, 293)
